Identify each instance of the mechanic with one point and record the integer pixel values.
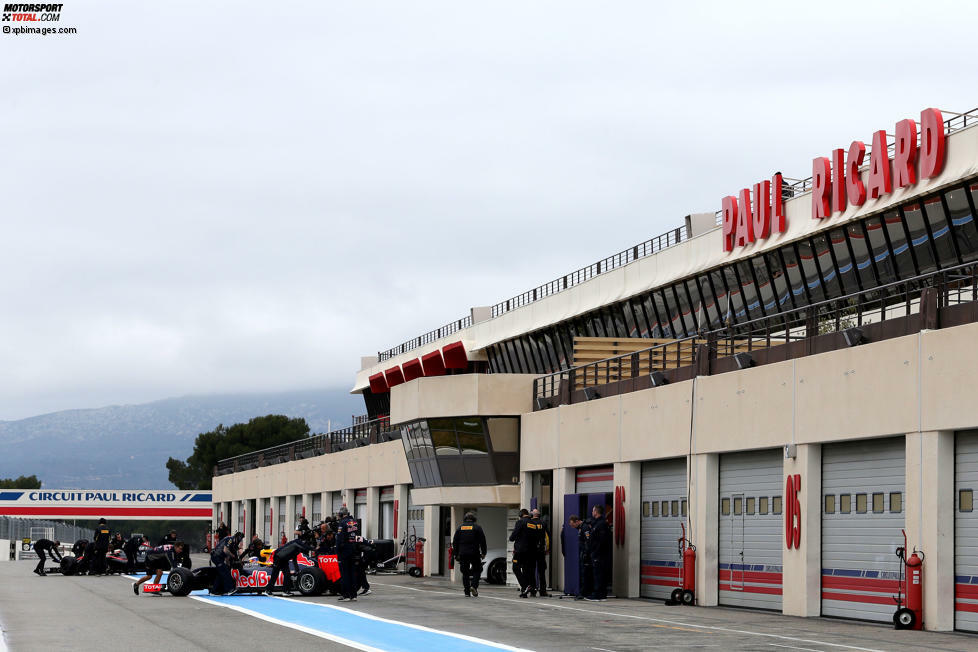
(223, 555)
(469, 549)
(159, 559)
(283, 559)
(303, 528)
(99, 549)
(131, 548)
(542, 533)
(168, 539)
(367, 553)
(117, 541)
(584, 570)
(524, 548)
(46, 545)
(255, 547)
(346, 553)
(327, 543)
(223, 531)
(600, 549)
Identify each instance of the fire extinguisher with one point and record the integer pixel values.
(451, 558)
(684, 594)
(910, 616)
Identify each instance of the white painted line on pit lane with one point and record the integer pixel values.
(650, 619)
(792, 647)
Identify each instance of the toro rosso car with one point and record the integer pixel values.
(312, 576)
(115, 560)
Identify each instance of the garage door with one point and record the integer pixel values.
(360, 506)
(280, 518)
(862, 518)
(751, 541)
(337, 501)
(965, 531)
(386, 526)
(415, 531)
(663, 513)
(317, 509)
(596, 480)
(266, 533)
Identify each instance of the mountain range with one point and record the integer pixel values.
(126, 446)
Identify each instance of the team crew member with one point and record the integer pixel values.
(255, 547)
(539, 568)
(45, 545)
(346, 552)
(524, 548)
(327, 542)
(223, 554)
(584, 571)
(366, 552)
(131, 548)
(469, 548)
(159, 559)
(117, 541)
(168, 539)
(600, 550)
(282, 559)
(99, 548)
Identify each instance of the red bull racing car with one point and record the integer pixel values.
(312, 576)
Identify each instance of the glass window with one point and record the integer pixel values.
(749, 290)
(645, 509)
(861, 503)
(765, 285)
(919, 238)
(735, 309)
(406, 442)
(710, 313)
(940, 231)
(720, 289)
(619, 318)
(597, 325)
(630, 327)
(444, 442)
(472, 443)
(878, 506)
(830, 504)
(762, 505)
(665, 508)
(751, 502)
(823, 257)
(880, 250)
(845, 504)
(899, 244)
(809, 267)
(675, 508)
(962, 223)
(662, 310)
(847, 270)
(687, 319)
(655, 324)
(966, 500)
(738, 505)
(782, 291)
(861, 257)
(672, 309)
(793, 272)
(896, 502)
(655, 507)
(472, 425)
(697, 307)
(504, 433)
(683, 507)
(776, 505)
(641, 322)
(725, 506)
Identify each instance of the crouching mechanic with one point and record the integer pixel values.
(223, 555)
(284, 557)
(46, 545)
(469, 548)
(159, 559)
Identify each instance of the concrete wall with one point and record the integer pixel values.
(461, 396)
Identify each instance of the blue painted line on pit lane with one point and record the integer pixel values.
(364, 630)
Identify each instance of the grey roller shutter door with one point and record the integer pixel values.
(863, 484)
(596, 480)
(965, 531)
(337, 501)
(663, 513)
(751, 528)
(317, 508)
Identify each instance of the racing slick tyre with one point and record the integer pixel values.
(180, 581)
(414, 571)
(311, 581)
(68, 565)
(688, 598)
(496, 573)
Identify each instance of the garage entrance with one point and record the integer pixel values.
(664, 510)
(965, 531)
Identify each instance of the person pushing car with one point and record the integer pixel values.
(46, 545)
(159, 559)
(469, 548)
(283, 558)
(131, 548)
(224, 553)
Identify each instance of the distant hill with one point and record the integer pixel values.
(126, 446)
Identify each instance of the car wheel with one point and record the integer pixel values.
(676, 596)
(414, 571)
(179, 582)
(904, 618)
(688, 598)
(311, 581)
(496, 574)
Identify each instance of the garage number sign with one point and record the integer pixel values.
(792, 511)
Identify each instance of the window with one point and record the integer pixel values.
(675, 508)
(504, 433)
(962, 222)
(880, 250)
(940, 231)
(683, 507)
(749, 290)
(823, 258)
(738, 505)
(776, 505)
(878, 503)
(765, 285)
(655, 507)
(845, 504)
(782, 289)
(920, 238)
(861, 504)
(762, 505)
(665, 508)
(725, 506)
(829, 505)
(899, 244)
(750, 505)
(809, 268)
(860, 255)
(846, 266)
(444, 442)
(645, 509)
(966, 500)
(896, 502)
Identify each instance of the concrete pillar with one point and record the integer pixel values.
(401, 492)
(261, 508)
(458, 512)
(349, 498)
(704, 523)
(627, 560)
(432, 533)
(288, 520)
(564, 481)
(802, 567)
(929, 507)
(372, 526)
(307, 508)
(326, 500)
(526, 489)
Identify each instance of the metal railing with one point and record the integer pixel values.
(955, 286)
(359, 434)
(426, 338)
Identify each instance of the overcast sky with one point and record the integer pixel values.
(213, 196)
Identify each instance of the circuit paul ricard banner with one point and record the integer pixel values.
(133, 504)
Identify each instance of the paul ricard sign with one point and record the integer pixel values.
(138, 504)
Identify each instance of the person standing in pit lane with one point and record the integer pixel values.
(222, 556)
(469, 549)
(346, 552)
(159, 559)
(42, 546)
(131, 548)
(524, 548)
(539, 563)
(283, 559)
(599, 547)
(99, 548)
(168, 539)
(366, 552)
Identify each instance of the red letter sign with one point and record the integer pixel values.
(838, 180)
(792, 511)
(905, 153)
(761, 215)
(729, 222)
(745, 224)
(931, 143)
(879, 167)
(820, 188)
(854, 185)
(778, 224)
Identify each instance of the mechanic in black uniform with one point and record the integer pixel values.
(469, 549)
(225, 553)
(524, 547)
(100, 548)
(581, 530)
(223, 531)
(282, 560)
(599, 548)
(539, 569)
(131, 548)
(327, 542)
(46, 545)
(346, 552)
(366, 554)
(168, 539)
(255, 547)
(159, 559)
(117, 541)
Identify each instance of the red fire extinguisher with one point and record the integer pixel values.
(910, 616)
(451, 558)
(685, 593)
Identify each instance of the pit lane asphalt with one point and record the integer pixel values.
(69, 613)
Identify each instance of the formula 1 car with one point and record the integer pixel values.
(312, 576)
(115, 560)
